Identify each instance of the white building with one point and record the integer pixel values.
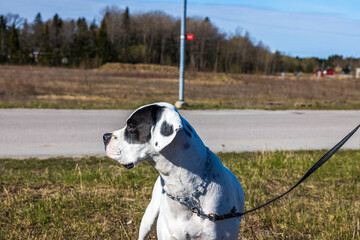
(357, 73)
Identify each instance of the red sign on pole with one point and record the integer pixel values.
(190, 37)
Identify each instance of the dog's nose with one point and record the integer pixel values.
(107, 137)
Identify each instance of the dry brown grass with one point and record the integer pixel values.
(127, 86)
(143, 68)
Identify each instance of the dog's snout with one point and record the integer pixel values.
(107, 137)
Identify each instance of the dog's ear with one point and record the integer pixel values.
(167, 124)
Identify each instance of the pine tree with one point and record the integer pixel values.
(104, 48)
(14, 45)
(45, 48)
(3, 39)
(55, 39)
(92, 52)
(57, 24)
(26, 44)
(81, 42)
(38, 19)
(38, 29)
(126, 39)
(126, 25)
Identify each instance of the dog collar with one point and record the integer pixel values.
(190, 202)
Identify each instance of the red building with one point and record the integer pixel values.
(329, 72)
(322, 73)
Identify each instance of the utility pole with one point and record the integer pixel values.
(181, 101)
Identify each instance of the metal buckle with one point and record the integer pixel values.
(194, 208)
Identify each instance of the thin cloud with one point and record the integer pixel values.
(307, 28)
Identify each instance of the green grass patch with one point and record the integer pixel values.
(95, 198)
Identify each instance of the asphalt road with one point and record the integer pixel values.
(43, 133)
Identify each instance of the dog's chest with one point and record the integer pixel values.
(178, 222)
(182, 227)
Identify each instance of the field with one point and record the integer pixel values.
(129, 86)
(94, 198)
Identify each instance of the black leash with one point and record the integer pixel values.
(214, 217)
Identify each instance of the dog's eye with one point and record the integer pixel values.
(131, 128)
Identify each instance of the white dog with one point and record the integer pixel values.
(192, 178)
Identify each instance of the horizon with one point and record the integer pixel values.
(293, 29)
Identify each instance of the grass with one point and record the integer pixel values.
(95, 198)
(128, 86)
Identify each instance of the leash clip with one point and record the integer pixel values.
(212, 217)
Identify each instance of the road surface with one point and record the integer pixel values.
(44, 133)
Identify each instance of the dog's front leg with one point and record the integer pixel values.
(152, 212)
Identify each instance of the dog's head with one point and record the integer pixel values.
(148, 130)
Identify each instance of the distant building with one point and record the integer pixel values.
(328, 72)
(319, 73)
(297, 74)
(357, 73)
(338, 69)
(36, 55)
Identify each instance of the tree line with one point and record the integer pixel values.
(152, 38)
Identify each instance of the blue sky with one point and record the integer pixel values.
(299, 28)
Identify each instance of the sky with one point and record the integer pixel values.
(306, 28)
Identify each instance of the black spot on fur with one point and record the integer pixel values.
(156, 144)
(139, 124)
(187, 132)
(189, 127)
(162, 184)
(233, 210)
(166, 129)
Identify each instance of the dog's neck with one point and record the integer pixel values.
(181, 165)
